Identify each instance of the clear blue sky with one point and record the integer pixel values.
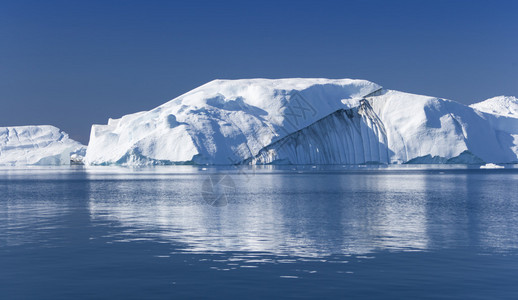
(74, 63)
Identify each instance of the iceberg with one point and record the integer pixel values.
(37, 145)
(491, 166)
(305, 121)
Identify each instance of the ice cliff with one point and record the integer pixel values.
(37, 145)
(307, 121)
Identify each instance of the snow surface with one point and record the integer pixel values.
(304, 121)
(502, 105)
(37, 145)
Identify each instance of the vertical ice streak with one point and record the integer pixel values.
(347, 136)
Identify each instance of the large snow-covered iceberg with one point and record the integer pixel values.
(304, 121)
(37, 145)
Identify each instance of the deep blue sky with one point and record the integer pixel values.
(74, 63)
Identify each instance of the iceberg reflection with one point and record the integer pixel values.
(32, 211)
(278, 213)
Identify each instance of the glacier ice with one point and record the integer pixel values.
(37, 145)
(307, 121)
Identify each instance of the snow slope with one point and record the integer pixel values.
(37, 145)
(304, 121)
(506, 106)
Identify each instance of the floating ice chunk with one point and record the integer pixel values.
(491, 166)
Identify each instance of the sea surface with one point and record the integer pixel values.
(375, 232)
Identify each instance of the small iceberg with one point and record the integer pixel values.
(38, 145)
(491, 166)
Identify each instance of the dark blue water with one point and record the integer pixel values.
(284, 232)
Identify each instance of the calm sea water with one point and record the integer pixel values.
(278, 232)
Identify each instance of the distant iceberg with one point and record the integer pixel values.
(37, 145)
(306, 121)
(491, 166)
